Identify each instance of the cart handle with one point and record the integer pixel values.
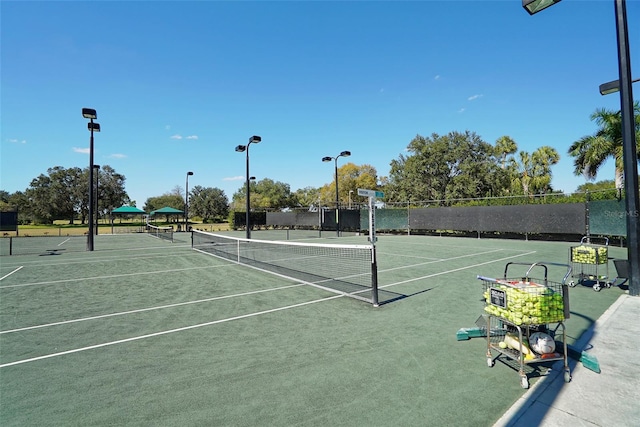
(539, 264)
(587, 239)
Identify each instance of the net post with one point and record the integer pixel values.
(374, 276)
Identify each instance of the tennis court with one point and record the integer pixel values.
(145, 331)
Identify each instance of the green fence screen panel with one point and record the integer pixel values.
(386, 219)
(608, 217)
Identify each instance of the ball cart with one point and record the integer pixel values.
(590, 263)
(525, 316)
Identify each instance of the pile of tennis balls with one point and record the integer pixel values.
(589, 255)
(528, 305)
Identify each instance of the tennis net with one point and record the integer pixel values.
(350, 270)
(160, 232)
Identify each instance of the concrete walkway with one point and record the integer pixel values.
(609, 398)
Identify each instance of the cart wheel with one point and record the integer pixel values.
(597, 287)
(524, 381)
(490, 362)
(567, 376)
(572, 284)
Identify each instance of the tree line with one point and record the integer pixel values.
(455, 166)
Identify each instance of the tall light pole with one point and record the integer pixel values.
(335, 159)
(629, 153)
(89, 113)
(97, 168)
(186, 202)
(241, 149)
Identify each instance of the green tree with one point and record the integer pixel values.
(171, 200)
(444, 167)
(350, 178)
(531, 173)
(265, 194)
(208, 203)
(590, 152)
(505, 146)
(111, 190)
(307, 197)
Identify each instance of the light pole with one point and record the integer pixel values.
(186, 202)
(241, 149)
(629, 153)
(335, 159)
(350, 193)
(97, 168)
(89, 113)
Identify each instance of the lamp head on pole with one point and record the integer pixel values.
(92, 126)
(327, 159)
(345, 154)
(612, 87)
(189, 173)
(254, 139)
(241, 148)
(89, 113)
(96, 166)
(535, 6)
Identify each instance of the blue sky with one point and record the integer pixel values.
(177, 85)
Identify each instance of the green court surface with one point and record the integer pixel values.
(145, 332)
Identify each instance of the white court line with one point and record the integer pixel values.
(64, 241)
(113, 276)
(39, 263)
(156, 334)
(441, 260)
(457, 269)
(9, 274)
(102, 316)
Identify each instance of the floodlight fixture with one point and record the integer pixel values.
(89, 113)
(535, 6)
(241, 148)
(612, 87)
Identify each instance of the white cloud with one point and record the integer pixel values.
(192, 137)
(17, 141)
(474, 97)
(81, 150)
(118, 156)
(234, 178)
(176, 137)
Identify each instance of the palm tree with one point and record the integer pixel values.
(505, 145)
(592, 151)
(532, 172)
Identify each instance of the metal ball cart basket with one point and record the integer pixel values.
(516, 307)
(590, 263)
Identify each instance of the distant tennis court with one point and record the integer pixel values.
(148, 331)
